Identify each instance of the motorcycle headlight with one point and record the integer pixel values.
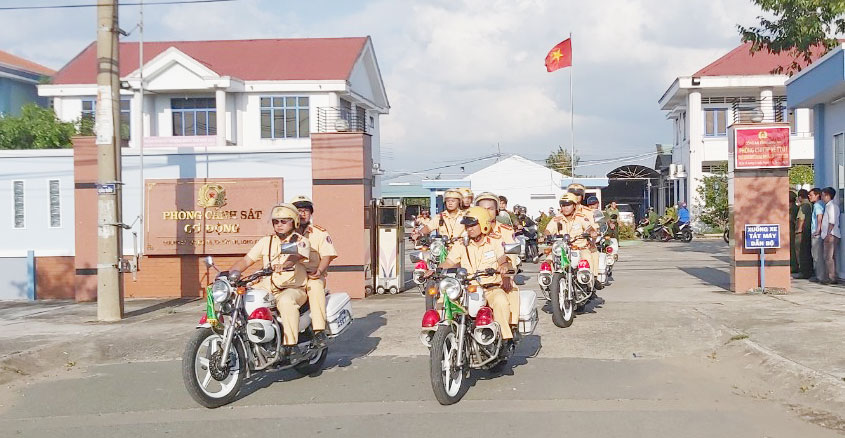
(436, 248)
(584, 277)
(557, 248)
(451, 288)
(220, 291)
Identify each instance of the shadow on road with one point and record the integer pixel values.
(176, 302)
(341, 353)
(528, 348)
(716, 277)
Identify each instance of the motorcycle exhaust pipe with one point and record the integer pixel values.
(486, 335)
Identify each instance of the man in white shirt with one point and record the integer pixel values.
(830, 234)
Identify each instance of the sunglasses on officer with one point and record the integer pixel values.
(286, 220)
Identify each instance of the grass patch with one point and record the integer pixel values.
(738, 337)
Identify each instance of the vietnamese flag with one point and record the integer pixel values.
(560, 56)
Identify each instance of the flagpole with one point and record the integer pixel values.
(572, 112)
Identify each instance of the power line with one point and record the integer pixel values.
(94, 5)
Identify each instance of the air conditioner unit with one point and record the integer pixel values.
(677, 171)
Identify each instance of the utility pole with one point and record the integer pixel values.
(109, 221)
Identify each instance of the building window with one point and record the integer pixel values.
(839, 150)
(55, 204)
(17, 189)
(715, 122)
(194, 116)
(285, 117)
(89, 115)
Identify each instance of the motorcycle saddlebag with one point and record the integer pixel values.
(527, 312)
(338, 313)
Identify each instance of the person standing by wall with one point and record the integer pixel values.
(803, 228)
(816, 244)
(793, 215)
(830, 234)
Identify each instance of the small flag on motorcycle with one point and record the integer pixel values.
(211, 317)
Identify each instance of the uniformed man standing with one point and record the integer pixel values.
(287, 283)
(482, 253)
(466, 198)
(578, 190)
(322, 255)
(446, 223)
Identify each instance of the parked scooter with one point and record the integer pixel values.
(529, 249)
(666, 233)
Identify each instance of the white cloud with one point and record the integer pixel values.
(463, 75)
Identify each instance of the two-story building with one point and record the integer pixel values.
(302, 111)
(737, 87)
(19, 79)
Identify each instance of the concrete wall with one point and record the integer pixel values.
(13, 278)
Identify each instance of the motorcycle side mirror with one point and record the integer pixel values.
(416, 257)
(512, 248)
(409, 224)
(288, 248)
(209, 261)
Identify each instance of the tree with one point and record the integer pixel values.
(802, 28)
(801, 174)
(713, 191)
(560, 161)
(35, 128)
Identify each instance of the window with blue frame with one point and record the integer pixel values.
(89, 114)
(715, 122)
(284, 117)
(194, 116)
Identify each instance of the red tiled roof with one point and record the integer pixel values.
(23, 64)
(740, 62)
(271, 59)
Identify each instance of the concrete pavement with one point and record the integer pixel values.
(667, 352)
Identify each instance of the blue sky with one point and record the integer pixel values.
(465, 78)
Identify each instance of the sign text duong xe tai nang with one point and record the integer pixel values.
(208, 216)
(759, 148)
(763, 236)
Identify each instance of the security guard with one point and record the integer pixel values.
(322, 254)
(570, 222)
(466, 198)
(446, 223)
(578, 190)
(287, 283)
(482, 252)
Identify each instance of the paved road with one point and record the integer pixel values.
(654, 358)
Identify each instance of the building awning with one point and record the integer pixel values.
(822, 82)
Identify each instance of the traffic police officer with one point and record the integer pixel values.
(446, 223)
(287, 283)
(578, 190)
(466, 198)
(321, 256)
(480, 253)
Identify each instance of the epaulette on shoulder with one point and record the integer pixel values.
(318, 227)
(506, 226)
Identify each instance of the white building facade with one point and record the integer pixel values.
(738, 87)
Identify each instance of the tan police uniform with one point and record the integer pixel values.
(447, 224)
(287, 287)
(574, 225)
(480, 256)
(594, 252)
(321, 246)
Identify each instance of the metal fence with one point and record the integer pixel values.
(335, 119)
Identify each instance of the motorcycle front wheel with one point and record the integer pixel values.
(447, 376)
(209, 384)
(726, 236)
(563, 309)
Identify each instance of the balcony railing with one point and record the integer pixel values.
(334, 119)
(751, 110)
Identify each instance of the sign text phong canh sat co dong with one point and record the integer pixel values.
(208, 216)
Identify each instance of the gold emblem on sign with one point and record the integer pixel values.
(763, 135)
(211, 196)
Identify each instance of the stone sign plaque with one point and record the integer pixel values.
(208, 216)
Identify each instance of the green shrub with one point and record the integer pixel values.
(626, 232)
